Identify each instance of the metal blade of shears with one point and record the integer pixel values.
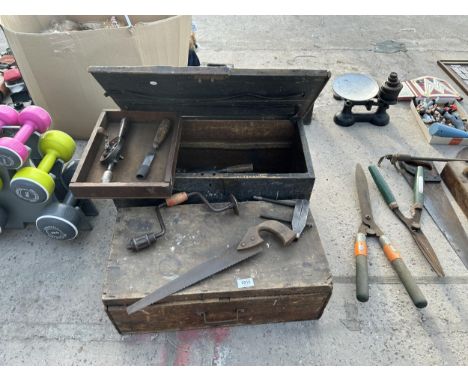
(428, 251)
(363, 195)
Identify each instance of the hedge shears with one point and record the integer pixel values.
(412, 224)
(368, 227)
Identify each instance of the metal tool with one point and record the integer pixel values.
(213, 266)
(300, 213)
(412, 224)
(288, 203)
(182, 197)
(394, 158)
(368, 227)
(161, 134)
(112, 151)
(284, 218)
(436, 203)
(238, 168)
(146, 240)
(358, 89)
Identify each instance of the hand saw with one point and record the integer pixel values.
(249, 246)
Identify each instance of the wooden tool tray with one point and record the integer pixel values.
(225, 117)
(289, 283)
(138, 141)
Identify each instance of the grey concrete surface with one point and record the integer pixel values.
(50, 308)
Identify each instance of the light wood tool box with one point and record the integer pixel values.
(221, 117)
(455, 177)
(286, 283)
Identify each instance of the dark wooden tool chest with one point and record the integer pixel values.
(222, 117)
(289, 283)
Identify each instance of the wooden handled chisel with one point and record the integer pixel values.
(161, 134)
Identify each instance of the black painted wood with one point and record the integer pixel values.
(218, 92)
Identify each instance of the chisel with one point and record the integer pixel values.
(161, 134)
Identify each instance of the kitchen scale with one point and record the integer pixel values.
(357, 89)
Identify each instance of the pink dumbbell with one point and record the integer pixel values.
(8, 116)
(13, 151)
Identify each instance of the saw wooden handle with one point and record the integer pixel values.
(252, 238)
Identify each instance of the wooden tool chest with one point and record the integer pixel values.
(283, 283)
(221, 118)
(455, 176)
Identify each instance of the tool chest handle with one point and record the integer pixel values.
(383, 187)
(362, 273)
(211, 322)
(410, 284)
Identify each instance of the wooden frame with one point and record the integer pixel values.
(446, 67)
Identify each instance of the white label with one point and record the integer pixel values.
(245, 283)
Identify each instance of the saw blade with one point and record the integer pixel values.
(194, 275)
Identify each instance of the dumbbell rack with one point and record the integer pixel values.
(20, 212)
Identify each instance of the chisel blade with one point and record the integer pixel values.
(209, 268)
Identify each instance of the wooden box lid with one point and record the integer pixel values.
(217, 92)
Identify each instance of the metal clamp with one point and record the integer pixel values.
(204, 314)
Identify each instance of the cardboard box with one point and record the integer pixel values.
(55, 65)
(434, 140)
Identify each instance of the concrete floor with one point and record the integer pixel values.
(50, 307)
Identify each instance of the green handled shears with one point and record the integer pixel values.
(413, 224)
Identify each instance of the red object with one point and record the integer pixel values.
(455, 141)
(7, 59)
(12, 75)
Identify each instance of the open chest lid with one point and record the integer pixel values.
(213, 91)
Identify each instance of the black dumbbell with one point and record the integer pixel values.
(3, 218)
(3, 212)
(61, 220)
